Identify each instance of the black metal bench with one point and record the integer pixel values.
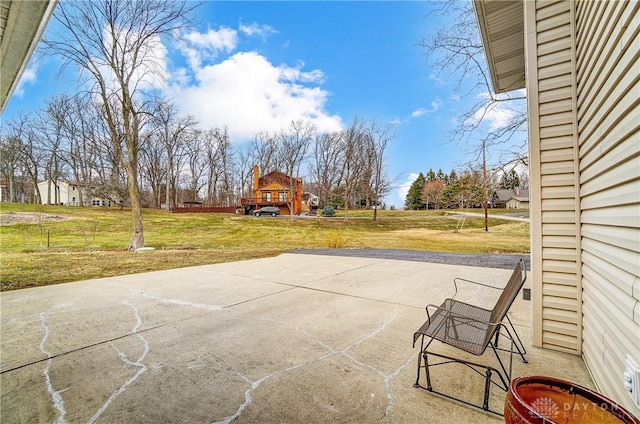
(472, 329)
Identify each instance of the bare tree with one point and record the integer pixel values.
(77, 119)
(115, 44)
(432, 193)
(22, 134)
(12, 150)
(217, 147)
(455, 50)
(50, 125)
(173, 132)
(293, 148)
(354, 141)
(10, 158)
(110, 180)
(153, 163)
(379, 138)
(264, 152)
(196, 163)
(243, 169)
(327, 164)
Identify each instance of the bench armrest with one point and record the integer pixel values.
(457, 314)
(464, 280)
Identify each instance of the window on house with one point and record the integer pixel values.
(266, 196)
(282, 197)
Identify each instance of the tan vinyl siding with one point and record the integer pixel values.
(557, 251)
(608, 112)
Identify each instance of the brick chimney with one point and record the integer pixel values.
(256, 179)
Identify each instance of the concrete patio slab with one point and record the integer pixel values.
(295, 338)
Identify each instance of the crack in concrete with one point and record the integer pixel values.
(179, 302)
(387, 382)
(123, 357)
(331, 352)
(58, 403)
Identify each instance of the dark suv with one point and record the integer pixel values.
(267, 210)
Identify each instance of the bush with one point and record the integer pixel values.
(328, 211)
(335, 240)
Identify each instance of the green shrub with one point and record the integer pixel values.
(328, 211)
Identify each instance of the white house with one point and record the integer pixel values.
(579, 61)
(65, 193)
(518, 202)
(60, 193)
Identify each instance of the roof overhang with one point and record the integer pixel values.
(501, 25)
(21, 26)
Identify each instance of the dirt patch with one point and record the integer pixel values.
(13, 218)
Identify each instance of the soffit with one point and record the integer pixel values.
(501, 25)
(21, 26)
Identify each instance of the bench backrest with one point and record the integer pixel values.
(509, 293)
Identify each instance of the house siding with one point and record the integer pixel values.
(553, 150)
(608, 112)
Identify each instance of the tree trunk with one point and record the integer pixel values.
(137, 240)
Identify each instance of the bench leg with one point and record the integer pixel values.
(417, 383)
(426, 369)
(487, 387)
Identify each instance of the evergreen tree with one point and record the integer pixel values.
(510, 180)
(453, 177)
(414, 200)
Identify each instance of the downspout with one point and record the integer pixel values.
(576, 174)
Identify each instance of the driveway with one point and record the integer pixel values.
(294, 338)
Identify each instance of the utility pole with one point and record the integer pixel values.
(486, 190)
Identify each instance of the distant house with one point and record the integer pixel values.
(274, 189)
(510, 199)
(518, 202)
(310, 203)
(66, 193)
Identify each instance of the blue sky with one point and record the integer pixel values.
(255, 66)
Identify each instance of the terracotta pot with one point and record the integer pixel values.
(544, 400)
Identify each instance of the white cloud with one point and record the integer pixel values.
(28, 76)
(296, 74)
(418, 112)
(147, 63)
(496, 115)
(436, 78)
(207, 46)
(405, 186)
(499, 114)
(249, 94)
(257, 29)
(224, 39)
(435, 105)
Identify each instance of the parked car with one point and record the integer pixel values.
(267, 210)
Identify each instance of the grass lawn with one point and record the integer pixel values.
(43, 245)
